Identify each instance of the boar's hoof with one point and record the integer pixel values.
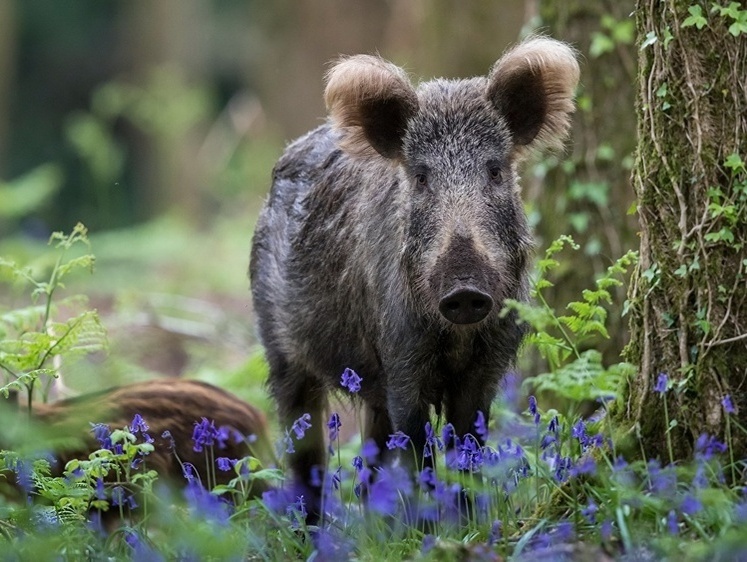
(465, 305)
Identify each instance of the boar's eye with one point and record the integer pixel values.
(495, 173)
(421, 179)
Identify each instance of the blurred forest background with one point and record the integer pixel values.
(156, 123)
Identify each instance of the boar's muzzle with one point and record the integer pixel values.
(465, 305)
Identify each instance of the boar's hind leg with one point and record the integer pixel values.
(301, 394)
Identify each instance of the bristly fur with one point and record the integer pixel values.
(391, 238)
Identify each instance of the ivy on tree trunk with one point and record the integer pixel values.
(688, 298)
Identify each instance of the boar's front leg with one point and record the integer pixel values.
(297, 394)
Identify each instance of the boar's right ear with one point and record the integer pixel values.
(532, 87)
(370, 101)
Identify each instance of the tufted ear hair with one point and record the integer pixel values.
(370, 101)
(532, 87)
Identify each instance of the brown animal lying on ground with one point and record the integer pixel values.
(173, 405)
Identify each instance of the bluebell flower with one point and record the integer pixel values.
(398, 440)
(427, 478)
(469, 455)
(122, 497)
(495, 532)
(99, 491)
(554, 425)
(141, 550)
(222, 435)
(138, 425)
(740, 512)
(700, 480)
(203, 435)
(334, 425)
(590, 512)
(357, 462)
(662, 481)
(300, 426)
(481, 427)
(351, 380)
(661, 383)
(533, 410)
(296, 511)
(429, 541)
(167, 435)
(331, 546)
(448, 435)
(102, 433)
(315, 477)
(225, 464)
(727, 404)
(606, 529)
(370, 451)
(208, 506)
(706, 446)
(432, 441)
(578, 431)
(690, 505)
(672, 524)
(384, 493)
(189, 472)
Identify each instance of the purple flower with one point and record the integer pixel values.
(587, 465)
(296, 511)
(189, 472)
(138, 425)
(300, 426)
(351, 380)
(384, 493)
(102, 433)
(606, 529)
(661, 481)
(431, 440)
(334, 426)
(690, 505)
(469, 456)
(661, 383)
(208, 506)
(672, 525)
(554, 425)
(448, 435)
(331, 546)
(579, 432)
(121, 497)
(397, 440)
(427, 478)
(286, 443)
(99, 490)
(357, 463)
(167, 435)
(141, 550)
(481, 427)
(706, 446)
(225, 464)
(727, 404)
(590, 512)
(740, 512)
(370, 451)
(495, 532)
(203, 435)
(533, 409)
(429, 541)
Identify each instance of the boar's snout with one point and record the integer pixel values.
(465, 305)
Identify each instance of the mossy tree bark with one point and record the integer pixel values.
(689, 295)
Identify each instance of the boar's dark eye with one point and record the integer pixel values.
(421, 180)
(495, 173)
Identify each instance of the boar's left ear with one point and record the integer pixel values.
(370, 101)
(532, 87)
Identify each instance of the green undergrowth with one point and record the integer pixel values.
(549, 484)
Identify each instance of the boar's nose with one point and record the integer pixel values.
(465, 305)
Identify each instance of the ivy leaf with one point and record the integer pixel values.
(696, 18)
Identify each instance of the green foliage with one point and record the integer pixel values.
(29, 192)
(563, 340)
(31, 337)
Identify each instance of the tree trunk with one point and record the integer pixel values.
(689, 295)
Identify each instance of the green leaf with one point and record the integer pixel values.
(696, 18)
(651, 38)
